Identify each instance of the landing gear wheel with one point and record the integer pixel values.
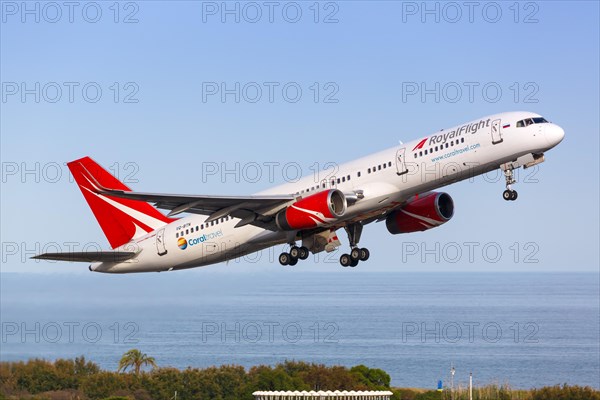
(364, 254)
(295, 252)
(354, 263)
(355, 253)
(509, 194)
(293, 261)
(285, 258)
(303, 254)
(345, 260)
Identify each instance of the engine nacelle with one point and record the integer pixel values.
(421, 213)
(310, 212)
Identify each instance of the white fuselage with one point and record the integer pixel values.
(383, 180)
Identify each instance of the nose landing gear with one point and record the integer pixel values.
(509, 194)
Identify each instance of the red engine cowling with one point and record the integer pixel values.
(316, 210)
(421, 213)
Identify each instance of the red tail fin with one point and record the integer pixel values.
(120, 219)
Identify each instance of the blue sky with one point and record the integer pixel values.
(158, 127)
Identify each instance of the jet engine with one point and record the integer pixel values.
(421, 213)
(316, 210)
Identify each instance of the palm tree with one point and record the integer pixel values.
(136, 359)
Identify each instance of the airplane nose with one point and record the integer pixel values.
(554, 134)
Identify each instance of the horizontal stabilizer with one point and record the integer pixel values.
(88, 256)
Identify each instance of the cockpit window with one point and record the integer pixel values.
(530, 121)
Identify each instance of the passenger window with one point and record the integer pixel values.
(348, 177)
(389, 163)
(176, 235)
(446, 145)
(187, 231)
(462, 140)
(384, 166)
(415, 155)
(420, 154)
(369, 171)
(358, 174)
(343, 179)
(425, 151)
(202, 226)
(452, 143)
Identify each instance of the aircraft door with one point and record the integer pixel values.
(495, 132)
(401, 168)
(160, 242)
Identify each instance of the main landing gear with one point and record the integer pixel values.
(356, 254)
(509, 194)
(296, 253)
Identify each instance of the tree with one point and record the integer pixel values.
(373, 378)
(135, 359)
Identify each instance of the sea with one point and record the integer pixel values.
(523, 329)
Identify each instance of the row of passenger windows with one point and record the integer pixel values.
(530, 121)
(312, 188)
(200, 227)
(438, 148)
(379, 167)
(345, 178)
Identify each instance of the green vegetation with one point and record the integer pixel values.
(136, 359)
(81, 379)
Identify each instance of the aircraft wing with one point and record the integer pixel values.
(255, 210)
(88, 256)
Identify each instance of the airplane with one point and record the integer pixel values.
(396, 185)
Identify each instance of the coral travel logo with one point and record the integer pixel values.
(182, 243)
